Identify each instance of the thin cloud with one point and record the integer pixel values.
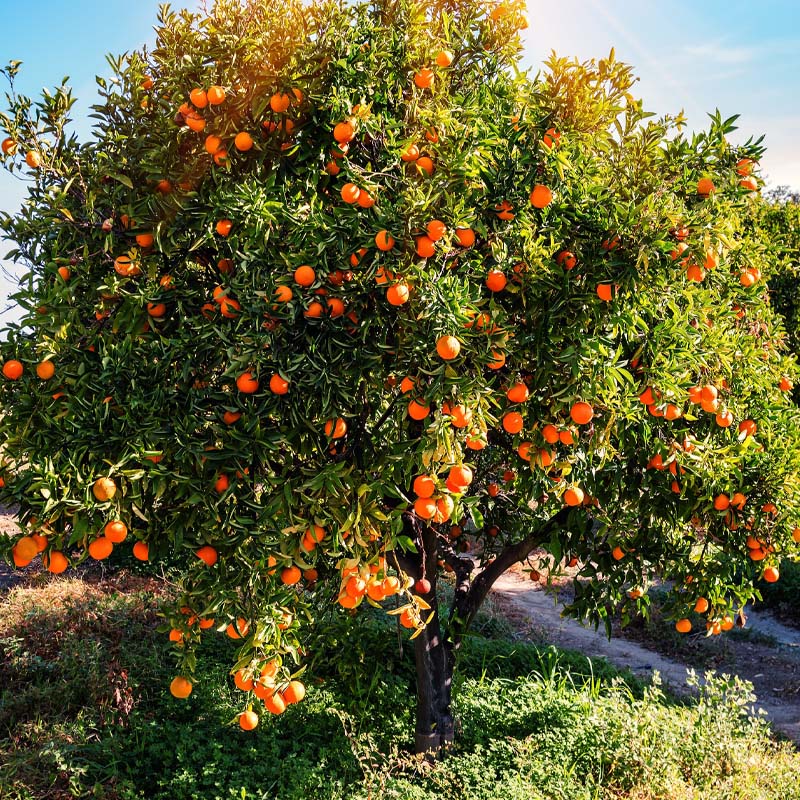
(719, 52)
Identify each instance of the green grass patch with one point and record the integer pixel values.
(85, 712)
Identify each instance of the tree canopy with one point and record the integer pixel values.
(337, 297)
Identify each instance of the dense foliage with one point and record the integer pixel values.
(323, 313)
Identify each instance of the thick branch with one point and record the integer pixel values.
(471, 602)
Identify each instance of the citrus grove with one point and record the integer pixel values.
(339, 306)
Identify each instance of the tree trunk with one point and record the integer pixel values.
(434, 660)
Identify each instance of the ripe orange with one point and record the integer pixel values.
(279, 102)
(350, 193)
(180, 687)
(550, 433)
(104, 489)
(744, 166)
(247, 383)
(425, 247)
(410, 153)
(207, 554)
(248, 720)
(45, 370)
(425, 165)
(216, 95)
(243, 141)
(424, 79)
(9, 147)
(524, 451)
(605, 291)
(290, 575)
(116, 531)
(237, 629)
(574, 496)
(749, 183)
(304, 275)
(566, 259)
(365, 199)
(513, 422)
(343, 132)
(465, 236)
(229, 307)
(278, 385)
(398, 294)
(519, 393)
(448, 347)
(418, 410)
(294, 692)
(13, 369)
(222, 484)
(496, 280)
(283, 294)
(581, 413)
(65, 273)
(100, 548)
(195, 121)
(213, 144)
(785, 385)
(56, 562)
(33, 159)
(541, 196)
(198, 98)
(705, 186)
(566, 438)
(498, 360)
(275, 704)
(695, 273)
(701, 606)
(551, 137)
(141, 551)
(724, 419)
(771, 574)
(224, 227)
(335, 429)
(461, 475)
(156, 309)
(425, 507)
(722, 502)
(683, 625)
(424, 486)
(384, 240)
(436, 229)
(748, 427)
(221, 157)
(444, 58)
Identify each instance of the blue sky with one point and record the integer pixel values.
(743, 57)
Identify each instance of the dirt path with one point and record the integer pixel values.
(773, 670)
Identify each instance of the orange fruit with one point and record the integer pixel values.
(180, 687)
(222, 484)
(343, 132)
(294, 692)
(224, 227)
(198, 98)
(410, 153)
(278, 385)
(425, 507)
(771, 574)
(65, 273)
(744, 166)
(566, 259)
(722, 502)
(365, 199)
(304, 276)
(444, 58)
(513, 422)
(705, 186)
(496, 280)
(724, 419)
(574, 496)
(384, 240)
(221, 157)
(100, 548)
(425, 165)
(13, 369)
(283, 294)
(701, 606)
(465, 236)
(749, 183)
(33, 159)
(104, 489)
(213, 144)
(695, 273)
(207, 554)
(498, 360)
(116, 531)
(45, 370)
(247, 383)
(398, 294)
(436, 229)
(275, 704)
(461, 475)
(156, 309)
(785, 385)
(424, 486)
(418, 410)
(290, 575)
(541, 196)
(565, 437)
(350, 193)
(550, 138)
(550, 433)
(605, 291)
(216, 95)
(248, 720)
(243, 141)
(56, 562)
(581, 413)
(518, 393)
(335, 429)
(141, 551)
(448, 347)
(425, 247)
(683, 625)
(9, 147)
(279, 102)
(424, 79)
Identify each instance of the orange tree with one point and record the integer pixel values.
(338, 303)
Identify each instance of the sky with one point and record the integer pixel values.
(741, 57)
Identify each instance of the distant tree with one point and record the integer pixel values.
(338, 303)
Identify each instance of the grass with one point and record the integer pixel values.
(85, 712)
